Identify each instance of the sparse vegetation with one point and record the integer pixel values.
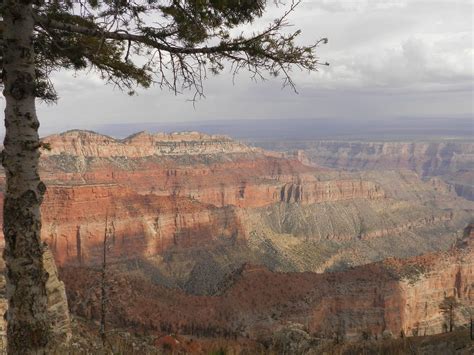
(448, 308)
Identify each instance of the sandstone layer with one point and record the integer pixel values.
(451, 160)
(194, 207)
(142, 144)
(387, 299)
(196, 224)
(153, 201)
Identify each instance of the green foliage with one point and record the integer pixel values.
(220, 351)
(57, 49)
(448, 307)
(196, 19)
(46, 146)
(173, 43)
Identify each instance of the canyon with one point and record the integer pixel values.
(188, 201)
(207, 236)
(450, 159)
(197, 207)
(389, 299)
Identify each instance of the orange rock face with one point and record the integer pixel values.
(210, 169)
(74, 219)
(142, 144)
(161, 190)
(156, 196)
(384, 299)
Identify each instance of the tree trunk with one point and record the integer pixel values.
(28, 327)
(472, 329)
(103, 287)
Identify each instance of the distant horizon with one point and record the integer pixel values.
(399, 128)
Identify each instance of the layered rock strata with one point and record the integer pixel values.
(451, 160)
(393, 298)
(426, 158)
(158, 191)
(75, 219)
(196, 207)
(142, 144)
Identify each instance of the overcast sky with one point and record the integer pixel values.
(388, 58)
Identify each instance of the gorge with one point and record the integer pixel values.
(450, 159)
(198, 223)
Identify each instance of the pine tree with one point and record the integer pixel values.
(448, 308)
(175, 44)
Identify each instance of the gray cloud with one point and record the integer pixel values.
(388, 58)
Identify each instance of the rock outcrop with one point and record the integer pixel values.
(207, 236)
(210, 169)
(75, 217)
(393, 298)
(142, 144)
(426, 158)
(58, 309)
(162, 191)
(191, 207)
(325, 191)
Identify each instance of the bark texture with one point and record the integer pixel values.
(28, 326)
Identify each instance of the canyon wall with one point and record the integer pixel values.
(74, 216)
(392, 298)
(75, 219)
(207, 236)
(210, 169)
(142, 144)
(403, 300)
(452, 160)
(161, 191)
(426, 158)
(324, 191)
(190, 208)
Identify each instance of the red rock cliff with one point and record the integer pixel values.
(166, 190)
(384, 299)
(74, 220)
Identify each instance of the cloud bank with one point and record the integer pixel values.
(388, 58)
